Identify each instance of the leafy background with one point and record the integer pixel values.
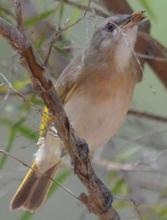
(139, 141)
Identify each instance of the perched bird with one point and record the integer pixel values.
(96, 90)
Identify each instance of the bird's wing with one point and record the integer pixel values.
(69, 79)
(65, 86)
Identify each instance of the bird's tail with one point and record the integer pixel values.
(33, 188)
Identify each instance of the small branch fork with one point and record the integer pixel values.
(99, 199)
(59, 32)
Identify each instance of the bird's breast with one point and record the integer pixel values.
(98, 107)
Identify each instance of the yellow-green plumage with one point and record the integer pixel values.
(45, 121)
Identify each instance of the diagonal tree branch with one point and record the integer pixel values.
(147, 116)
(118, 6)
(99, 198)
(155, 49)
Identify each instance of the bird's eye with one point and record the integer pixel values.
(110, 27)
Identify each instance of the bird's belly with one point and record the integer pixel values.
(97, 121)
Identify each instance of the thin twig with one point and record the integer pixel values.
(136, 208)
(11, 87)
(147, 116)
(85, 7)
(115, 166)
(26, 91)
(29, 167)
(152, 57)
(19, 17)
(61, 30)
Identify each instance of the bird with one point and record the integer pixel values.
(96, 90)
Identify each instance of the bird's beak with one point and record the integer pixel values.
(133, 20)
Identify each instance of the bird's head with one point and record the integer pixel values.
(115, 38)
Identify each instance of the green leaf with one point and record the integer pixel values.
(14, 128)
(61, 11)
(60, 179)
(11, 138)
(21, 84)
(26, 215)
(76, 14)
(22, 129)
(120, 204)
(39, 41)
(32, 21)
(118, 187)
